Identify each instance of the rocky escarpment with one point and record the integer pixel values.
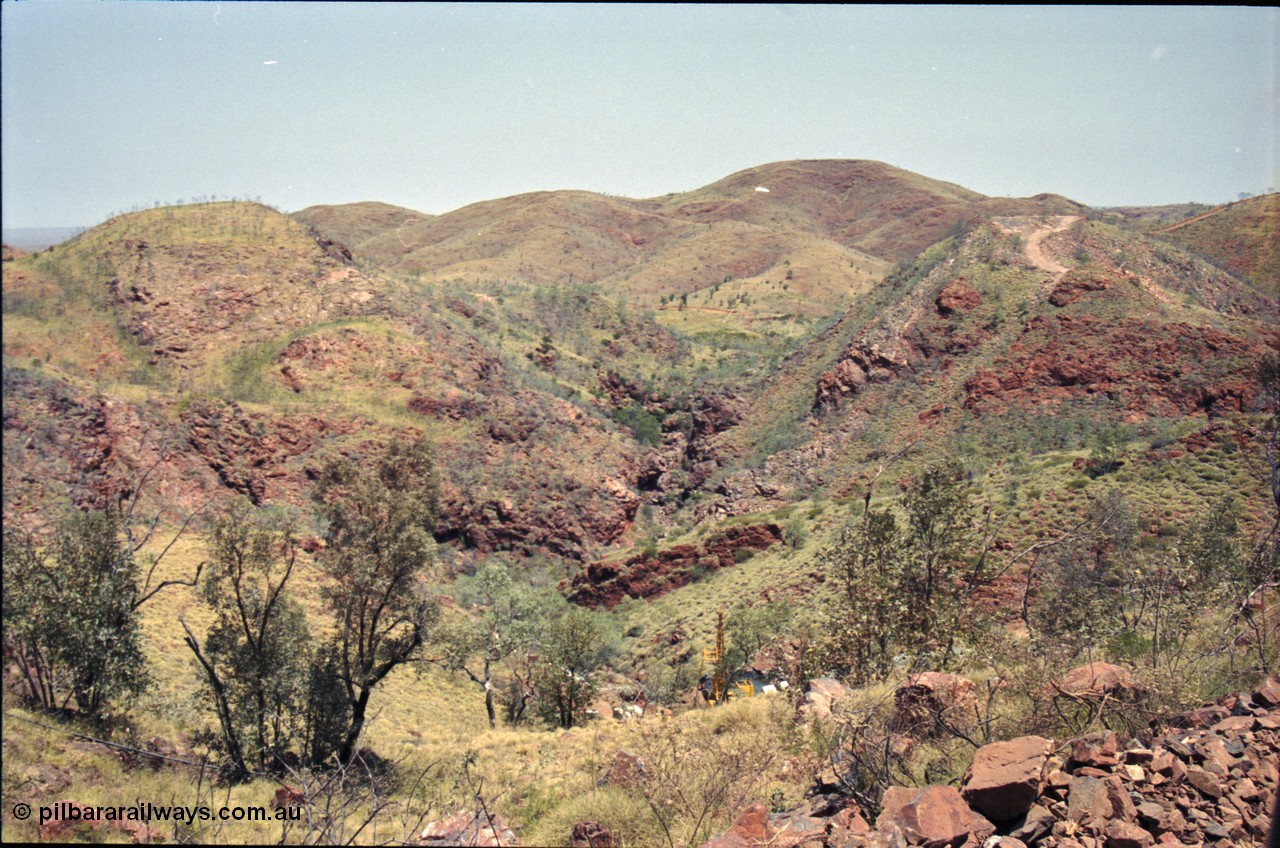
(886, 352)
(650, 575)
(1210, 779)
(1150, 368)
(62, 444)
(687, 457)
(262, 457)
(181, 302)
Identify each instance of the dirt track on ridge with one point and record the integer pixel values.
(1034, 232)
(1037, 256)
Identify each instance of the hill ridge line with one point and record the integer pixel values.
(1217, 210)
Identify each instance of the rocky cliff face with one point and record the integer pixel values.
(1141, 366)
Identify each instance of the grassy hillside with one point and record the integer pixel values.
(769, 267)
(229, 328)
(968, 351)
(696, 397)
(353, 224)
(1243, 237)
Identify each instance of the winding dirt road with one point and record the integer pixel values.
(1037, 256)
(1033, 232)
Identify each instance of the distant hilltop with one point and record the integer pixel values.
(32, 239)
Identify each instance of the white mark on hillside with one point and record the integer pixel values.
(762, 188)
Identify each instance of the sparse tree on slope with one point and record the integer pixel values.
(871, 610)
(504, 620)
(906, 576)
(939, 530)
(70, 621)
(255, 654)
(572, 650)
(380, 513)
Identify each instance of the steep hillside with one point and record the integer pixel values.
(979, 311)
(1151, 217)
(1243, 237)
(869, 206)
(253, 344)
(973, 351)
(353, 224)
(541, 237)
(225, 344)
(191, 285)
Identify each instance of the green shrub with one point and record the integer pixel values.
(70, 613)
(641, 422)
(795, 534)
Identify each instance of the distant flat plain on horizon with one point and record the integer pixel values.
(113, 106)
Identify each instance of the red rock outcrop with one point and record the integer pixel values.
(478, 829)
(957, 296)
(606, 583)
(553, 514)
(1076, 284)
(820, 697)
(181, 300)
(820, 822)
(1149, 368)
(1098, 750)
(932, 817)
(888, 352)
(589, 834)
(256, 455)
(99, 450)
(860, 364)
(750, 829)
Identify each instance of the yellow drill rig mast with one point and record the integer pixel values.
(714, 689)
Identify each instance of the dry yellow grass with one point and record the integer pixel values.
(427, 721)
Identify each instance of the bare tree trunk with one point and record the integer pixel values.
(488, 695)
(358, 708)
(239, 771)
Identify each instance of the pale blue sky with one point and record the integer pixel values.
(433, 106)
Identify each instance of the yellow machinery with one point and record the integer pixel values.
(720, 689)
